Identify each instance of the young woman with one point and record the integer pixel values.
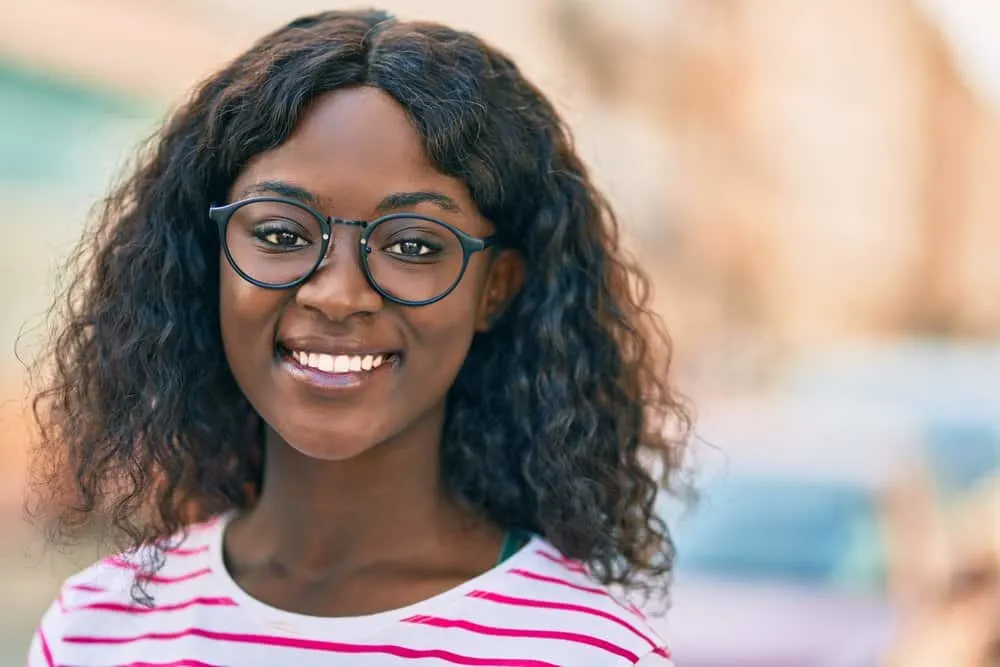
(355, 365)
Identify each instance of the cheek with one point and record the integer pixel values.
(246, 314)
(231, 308)
(443, 331)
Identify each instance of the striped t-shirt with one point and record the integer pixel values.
(536, 609)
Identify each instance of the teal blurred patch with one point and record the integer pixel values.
(48, 126)
(778, 528)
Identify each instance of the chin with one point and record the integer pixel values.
(329, 452)
(328, 444)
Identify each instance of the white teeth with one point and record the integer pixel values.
(341, 363)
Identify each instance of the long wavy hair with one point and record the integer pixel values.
(561, 421)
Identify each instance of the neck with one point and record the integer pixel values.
(321, 515)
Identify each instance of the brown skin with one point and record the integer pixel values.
(352, 518)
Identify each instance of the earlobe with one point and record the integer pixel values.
(504, 283)
(487, 311)
(490, 309)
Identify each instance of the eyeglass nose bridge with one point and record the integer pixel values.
(334, 220)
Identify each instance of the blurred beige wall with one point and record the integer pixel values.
(837, 167)
(795, 174)
(159, 50)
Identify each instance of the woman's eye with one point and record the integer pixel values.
(409, 249)
(281, 238)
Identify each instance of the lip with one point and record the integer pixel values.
(334, 382)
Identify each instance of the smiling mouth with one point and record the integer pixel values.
(338, 364)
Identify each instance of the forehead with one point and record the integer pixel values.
(350, 148)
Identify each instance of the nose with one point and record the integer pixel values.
(339, 289)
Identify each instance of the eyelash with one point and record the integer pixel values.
(262, 231)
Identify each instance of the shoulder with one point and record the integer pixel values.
(102, 597)
(541, 592)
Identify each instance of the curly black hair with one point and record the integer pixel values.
(556, 410)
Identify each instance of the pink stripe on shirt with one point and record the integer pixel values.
(562, 582)
(46, 651)
(523, 634)
(139, 609)
(314, 645)
(157, 578)
(193, 551)
(571, 565)
(586, 589)
(561, 606)
(87, 588)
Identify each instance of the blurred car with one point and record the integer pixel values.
(781, 562)
(777, 572)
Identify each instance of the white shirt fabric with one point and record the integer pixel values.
(536, 609)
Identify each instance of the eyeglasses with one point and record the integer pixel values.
(410, 259)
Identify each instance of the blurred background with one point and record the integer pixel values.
(813, 187)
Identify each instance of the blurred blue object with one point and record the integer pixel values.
(782, 561)
(962, 454)
(779, 570)
(785, 529)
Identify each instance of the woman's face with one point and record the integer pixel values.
(353, 155)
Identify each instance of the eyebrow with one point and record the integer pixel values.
(279, 188)
(391, 202)
(398, 200)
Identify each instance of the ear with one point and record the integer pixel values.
(503, 282)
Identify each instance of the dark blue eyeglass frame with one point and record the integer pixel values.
(470, 244)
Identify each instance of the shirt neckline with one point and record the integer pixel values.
(295, 624)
